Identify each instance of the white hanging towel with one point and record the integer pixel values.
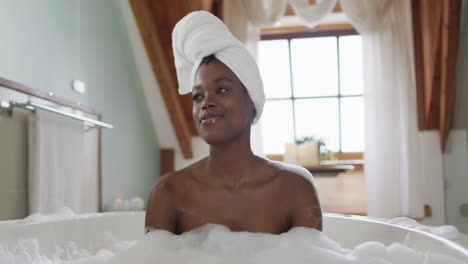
(56, 162)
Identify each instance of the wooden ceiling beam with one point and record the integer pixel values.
(418, 62)
(449, 46)
(436, 34)
(156, 20)
(431, 11)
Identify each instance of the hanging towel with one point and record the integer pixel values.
(200, 34)
(56, 163)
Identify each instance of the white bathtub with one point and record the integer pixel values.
(92, 232)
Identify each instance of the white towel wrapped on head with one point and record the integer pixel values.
(200, 34)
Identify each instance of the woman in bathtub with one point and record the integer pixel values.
(232, 186)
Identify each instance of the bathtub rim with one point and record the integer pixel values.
(381, 221)
(376, 221)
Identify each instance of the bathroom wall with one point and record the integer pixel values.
(456, 152)
(47, 44)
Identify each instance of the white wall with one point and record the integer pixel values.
(432, 175)
(46, 44)
(456, 178)
(455, 156)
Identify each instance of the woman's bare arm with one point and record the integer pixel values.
(306, 205)
(160, 212)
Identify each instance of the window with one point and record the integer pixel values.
(314, 87)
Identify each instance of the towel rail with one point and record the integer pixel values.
(32, 105)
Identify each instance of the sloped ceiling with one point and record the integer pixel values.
(436, 27)
(156, 19)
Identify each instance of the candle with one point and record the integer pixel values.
(290, 155)
(308, 154)
(136, 203)
(118, 204)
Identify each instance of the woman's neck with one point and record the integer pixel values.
(233, 162)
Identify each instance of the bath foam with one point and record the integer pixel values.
(217, 244)
(27, 251)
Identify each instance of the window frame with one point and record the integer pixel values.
(336, 32)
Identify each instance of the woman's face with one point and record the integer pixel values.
(222, 108)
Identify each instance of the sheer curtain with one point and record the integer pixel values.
(244, 18)
(312, 15)
(392, 165)
(392, 161)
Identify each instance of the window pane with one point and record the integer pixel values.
(351, 78)
(277, 126)
(315, 66)
(352, 124)
(318, 118)
(273, 61)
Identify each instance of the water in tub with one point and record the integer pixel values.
(217, 244)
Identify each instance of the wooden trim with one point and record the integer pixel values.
(157, 39)
(167, 161)
(43, 95)
(301, 29)
(436, 26)
(349, 155)
(431, 20)
(213, 6)
(309, 33)
(450, 36)
(418, 62)
(427, 211)
(338, 155)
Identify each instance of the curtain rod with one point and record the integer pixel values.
(32, 105)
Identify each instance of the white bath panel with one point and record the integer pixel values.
(432, 175)
(456, 179)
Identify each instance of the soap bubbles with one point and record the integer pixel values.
(217, 244)
(212, 244)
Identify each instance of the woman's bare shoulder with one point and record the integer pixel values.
(291, 172)
(171, 181)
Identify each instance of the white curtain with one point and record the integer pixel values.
(312, 15)
(89, 200)
(57, 168)
(392, 165)
(392, 168)
(244, 18)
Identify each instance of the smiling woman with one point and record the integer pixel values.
(232, 186)
(219, 94)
